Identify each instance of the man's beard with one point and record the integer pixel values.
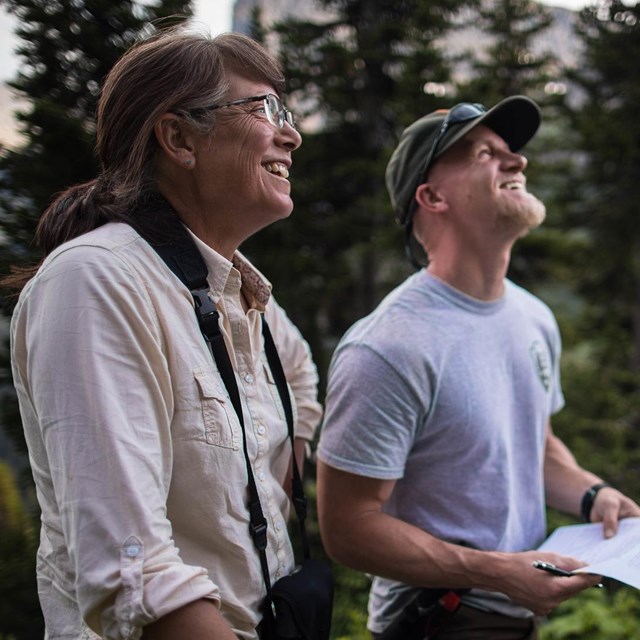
(527, 213)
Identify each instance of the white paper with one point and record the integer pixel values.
(617, 557)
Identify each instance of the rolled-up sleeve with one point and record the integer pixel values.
(97, 403)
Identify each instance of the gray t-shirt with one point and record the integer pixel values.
(448, 395)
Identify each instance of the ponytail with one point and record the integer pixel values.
(75, 211)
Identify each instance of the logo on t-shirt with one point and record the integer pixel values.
(541, 362)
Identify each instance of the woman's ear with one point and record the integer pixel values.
(428, 197)
(175, 140)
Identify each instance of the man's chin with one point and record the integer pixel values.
(527, 215)
(537, 215)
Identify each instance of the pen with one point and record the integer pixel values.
(556, 571)
(551, 568)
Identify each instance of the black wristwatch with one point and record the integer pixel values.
(587, 500)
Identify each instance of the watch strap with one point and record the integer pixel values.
(587, 500)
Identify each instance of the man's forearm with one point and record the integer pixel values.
(565, 481)
(358, 534)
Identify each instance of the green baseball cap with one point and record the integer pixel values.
(515, 119)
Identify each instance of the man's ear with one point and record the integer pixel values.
(430, 198)
(175, 140)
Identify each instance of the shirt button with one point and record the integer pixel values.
(261, 477)
(248, 378)
(278, 526)
(262, 430)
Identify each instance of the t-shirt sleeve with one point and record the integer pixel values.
(372, 414)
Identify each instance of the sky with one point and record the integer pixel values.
(216, 14)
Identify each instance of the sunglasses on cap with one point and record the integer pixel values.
(461, 112)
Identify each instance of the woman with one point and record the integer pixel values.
(135, 447)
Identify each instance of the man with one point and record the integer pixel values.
(437, 453)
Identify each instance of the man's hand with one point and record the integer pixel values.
(566, 482)
(538, 590)
(609, 506)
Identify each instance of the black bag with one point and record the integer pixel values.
(303, 602)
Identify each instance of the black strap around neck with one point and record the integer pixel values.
(186, 262)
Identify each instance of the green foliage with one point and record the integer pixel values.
(599, 423)
(595, 614)
(20, 615)
(13, 515)
(350, 605)
(601, 371)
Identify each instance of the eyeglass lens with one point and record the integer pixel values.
(277, 113)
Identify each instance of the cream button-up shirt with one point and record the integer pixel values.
(135, 447)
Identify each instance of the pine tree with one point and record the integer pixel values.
(610, 136)
(67, 48)
(510, 63)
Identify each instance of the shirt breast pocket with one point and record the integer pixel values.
(221, 425)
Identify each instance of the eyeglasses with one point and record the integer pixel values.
(277, 114)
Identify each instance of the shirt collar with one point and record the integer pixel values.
(255, 287)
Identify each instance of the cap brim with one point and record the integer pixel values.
(516, 120)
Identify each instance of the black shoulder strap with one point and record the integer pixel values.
(186, 262)
(297, 491)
